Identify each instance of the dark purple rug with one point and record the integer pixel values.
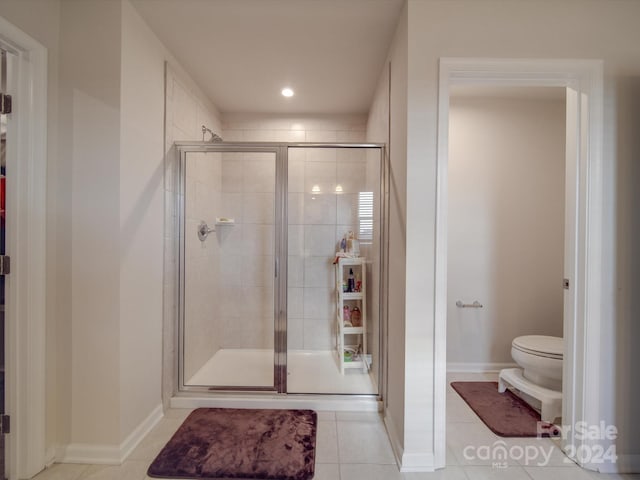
(241, 443)
(505, 414)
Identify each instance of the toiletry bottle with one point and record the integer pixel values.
(356, 317)
(343, 244)
(350, 242)
(346, 316)
(351, 282)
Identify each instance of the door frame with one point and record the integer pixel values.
(583, 302)
(26, 244)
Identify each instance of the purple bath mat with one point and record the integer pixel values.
(505, 414)
(241, 443)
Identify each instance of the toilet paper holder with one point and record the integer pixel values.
(475, 304)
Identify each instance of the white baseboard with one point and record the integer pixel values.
(407, 462)
(50, 456)
(477, 367)
(109, 454)
(89, 453)
(418, 462)
(141, 431)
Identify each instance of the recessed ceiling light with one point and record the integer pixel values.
(287, 92)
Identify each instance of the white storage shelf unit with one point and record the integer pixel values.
(351, 336)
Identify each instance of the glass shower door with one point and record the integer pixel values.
(228, 300)
(335, 234)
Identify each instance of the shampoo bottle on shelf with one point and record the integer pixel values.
(351, 282)
(346, 316)
(356, 317)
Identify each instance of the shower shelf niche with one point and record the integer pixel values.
(348, 338)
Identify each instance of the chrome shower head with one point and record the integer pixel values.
(214, 138)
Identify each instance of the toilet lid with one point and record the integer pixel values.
(540, 345)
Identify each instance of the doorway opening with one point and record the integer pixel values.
(506, 211)
(582, 80)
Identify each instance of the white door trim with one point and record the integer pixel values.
(26, 244)
(581, 330)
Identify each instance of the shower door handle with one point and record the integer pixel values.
(277, 267)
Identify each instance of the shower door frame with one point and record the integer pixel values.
(280, 261)
(280, 149)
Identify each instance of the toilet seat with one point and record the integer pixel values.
(540, 346)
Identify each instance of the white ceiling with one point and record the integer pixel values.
(242, 52)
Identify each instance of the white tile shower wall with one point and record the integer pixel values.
(246, 275)
(317, 219)
(186, 110)
(202, 327)
(293, 128)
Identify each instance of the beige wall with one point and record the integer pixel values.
(90, 106)
(505, 225)
(141, 219)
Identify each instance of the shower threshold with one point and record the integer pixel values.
(308, 372)
(335, 403)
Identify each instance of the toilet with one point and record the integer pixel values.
(540, 376)
(541, 359)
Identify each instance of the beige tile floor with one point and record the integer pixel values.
(354, 446)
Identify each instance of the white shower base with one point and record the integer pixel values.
(317, 372)
(308, 372)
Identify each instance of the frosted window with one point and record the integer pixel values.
(365, 217)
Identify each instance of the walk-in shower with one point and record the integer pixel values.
(261, 303)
